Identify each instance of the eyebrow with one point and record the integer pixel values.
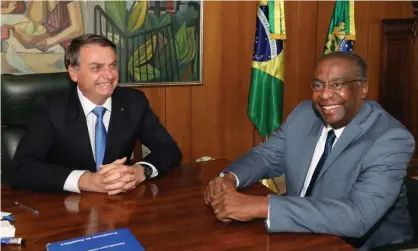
(101, 64)
(95, 63)
(332, 79)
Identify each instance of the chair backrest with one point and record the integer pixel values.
(412, 193)
(18, 96)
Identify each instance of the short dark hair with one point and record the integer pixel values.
(353, 58)
(72, 53)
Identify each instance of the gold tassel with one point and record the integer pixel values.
(269, 183)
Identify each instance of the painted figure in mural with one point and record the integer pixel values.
(12, 7)
(37, 27)
(61, 20)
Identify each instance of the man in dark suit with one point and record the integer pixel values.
(81, 140)
(345, 160)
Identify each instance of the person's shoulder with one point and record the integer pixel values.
(128, 93)
(125, 90)
(381, 122)
(54, 104)
(385, 133)
(131, 96)
(302, 117)
(58, 98)
(304, 106)
(304, 111)
(381, 116)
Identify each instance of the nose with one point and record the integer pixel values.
(108, 74)
(326, 93)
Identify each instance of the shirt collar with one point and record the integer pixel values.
(337, 132)
(88, 106)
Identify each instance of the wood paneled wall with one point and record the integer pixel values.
(212, 119)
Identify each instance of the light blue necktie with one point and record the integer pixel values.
(100, 137)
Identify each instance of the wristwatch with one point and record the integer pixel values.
(147, 172)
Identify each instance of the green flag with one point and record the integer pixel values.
(341, 32)
(265, 102)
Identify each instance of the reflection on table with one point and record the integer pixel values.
(164, 214)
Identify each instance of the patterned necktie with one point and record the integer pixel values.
(100, 137)
(327, 150)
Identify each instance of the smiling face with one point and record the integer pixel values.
(96, 73)
(338, 108)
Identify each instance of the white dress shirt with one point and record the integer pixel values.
(71, 183)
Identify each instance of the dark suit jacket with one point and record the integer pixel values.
(57, 141)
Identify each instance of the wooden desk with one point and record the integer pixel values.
(165, 214)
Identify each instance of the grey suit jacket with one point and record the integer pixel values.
(360, 192)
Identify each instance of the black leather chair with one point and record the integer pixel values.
(412, 186)
(18, 96)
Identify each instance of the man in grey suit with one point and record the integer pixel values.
(345, 160)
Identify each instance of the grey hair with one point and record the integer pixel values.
(353, 58)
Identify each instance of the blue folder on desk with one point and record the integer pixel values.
(114, 240)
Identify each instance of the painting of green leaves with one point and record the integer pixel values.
(158, 42)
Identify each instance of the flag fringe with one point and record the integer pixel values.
(278, 36)
(269, 183)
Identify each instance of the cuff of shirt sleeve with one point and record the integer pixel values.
(236, 178)
(268, 215)
(72, 203)
(154, 170)
(71, 183)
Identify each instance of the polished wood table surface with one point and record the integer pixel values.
(163, 214)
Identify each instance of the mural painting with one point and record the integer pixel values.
(158, 42)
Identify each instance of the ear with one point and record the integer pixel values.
(73, 73)
(364, 90)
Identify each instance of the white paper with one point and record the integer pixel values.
(5, 214)
(7, 229)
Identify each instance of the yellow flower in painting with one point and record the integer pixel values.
(137, 16)
(118, 12)
(136, 63)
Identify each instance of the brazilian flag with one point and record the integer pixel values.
(342, 31)
(265, 101)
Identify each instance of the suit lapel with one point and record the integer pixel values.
(350, 133)
(118, 120)
(76, 122)
(308, 150)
